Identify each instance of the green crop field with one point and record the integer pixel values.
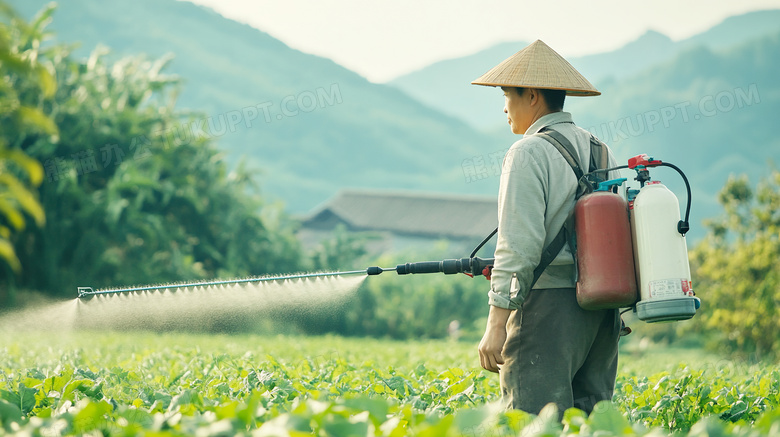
(126, 384)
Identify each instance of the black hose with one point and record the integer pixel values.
(476, 249)
(683, 226)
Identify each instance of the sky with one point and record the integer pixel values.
(383, 39)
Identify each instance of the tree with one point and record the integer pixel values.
(20, 174)
(133, 192)
(737, 269)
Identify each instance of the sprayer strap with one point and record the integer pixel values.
(566, 234)
(565, 147)
(554, 248)
(599, 157)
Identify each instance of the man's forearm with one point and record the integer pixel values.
(497, 317)
(492, 343)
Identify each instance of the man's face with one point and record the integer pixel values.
(517, 107)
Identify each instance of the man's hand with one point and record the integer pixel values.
(492, 343)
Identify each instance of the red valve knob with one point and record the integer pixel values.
(643, 160)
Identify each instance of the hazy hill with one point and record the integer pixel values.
(736, 30)
(713, 113)
(309, 125)
(648, 49)
(446, 85)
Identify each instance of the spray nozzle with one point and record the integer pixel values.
(373, 271)
(85, 292)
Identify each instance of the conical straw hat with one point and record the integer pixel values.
(538, 66)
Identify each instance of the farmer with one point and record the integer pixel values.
(543, 345)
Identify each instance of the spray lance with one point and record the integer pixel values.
(631, 252)
(472, 266)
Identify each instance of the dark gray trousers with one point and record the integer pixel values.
(557, 352)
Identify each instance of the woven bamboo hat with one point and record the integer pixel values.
(538, 66)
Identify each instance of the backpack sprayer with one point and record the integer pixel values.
(630, 252)
(623, 245)
(637, 243)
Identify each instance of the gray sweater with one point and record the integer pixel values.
(535, 196)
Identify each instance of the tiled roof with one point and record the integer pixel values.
(423, 214)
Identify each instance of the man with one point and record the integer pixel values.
(544, 346)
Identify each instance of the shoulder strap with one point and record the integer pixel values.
(599, 157)
(564, 147)
(566, 234)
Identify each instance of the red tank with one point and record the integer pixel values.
(605, 256)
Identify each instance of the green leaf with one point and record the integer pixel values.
(339, 426)
(75, 386)
(471, 418)
(606, 417)
(9, 412)
(47, 82)
(23, 398)
(30, 205)
(8, 254)
(13, 62)
(36, 118)
(708, 427)
(546, 424)
(91, 416)
(574, 419)
(31, 166)
(11, 214)
(164, 399)
(377, 408)
(138, 419)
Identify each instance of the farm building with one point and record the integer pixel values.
(400, 221)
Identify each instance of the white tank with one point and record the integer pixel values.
(661, 256)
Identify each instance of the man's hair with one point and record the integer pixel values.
(553, 98)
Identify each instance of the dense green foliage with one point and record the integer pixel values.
(737, 269)
(126, 384)
(18, 172)
(127, 200)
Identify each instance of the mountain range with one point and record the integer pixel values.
(445, 85)
(311, 127)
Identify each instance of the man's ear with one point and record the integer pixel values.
(536, 97)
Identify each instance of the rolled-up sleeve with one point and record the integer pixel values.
(522, 201)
